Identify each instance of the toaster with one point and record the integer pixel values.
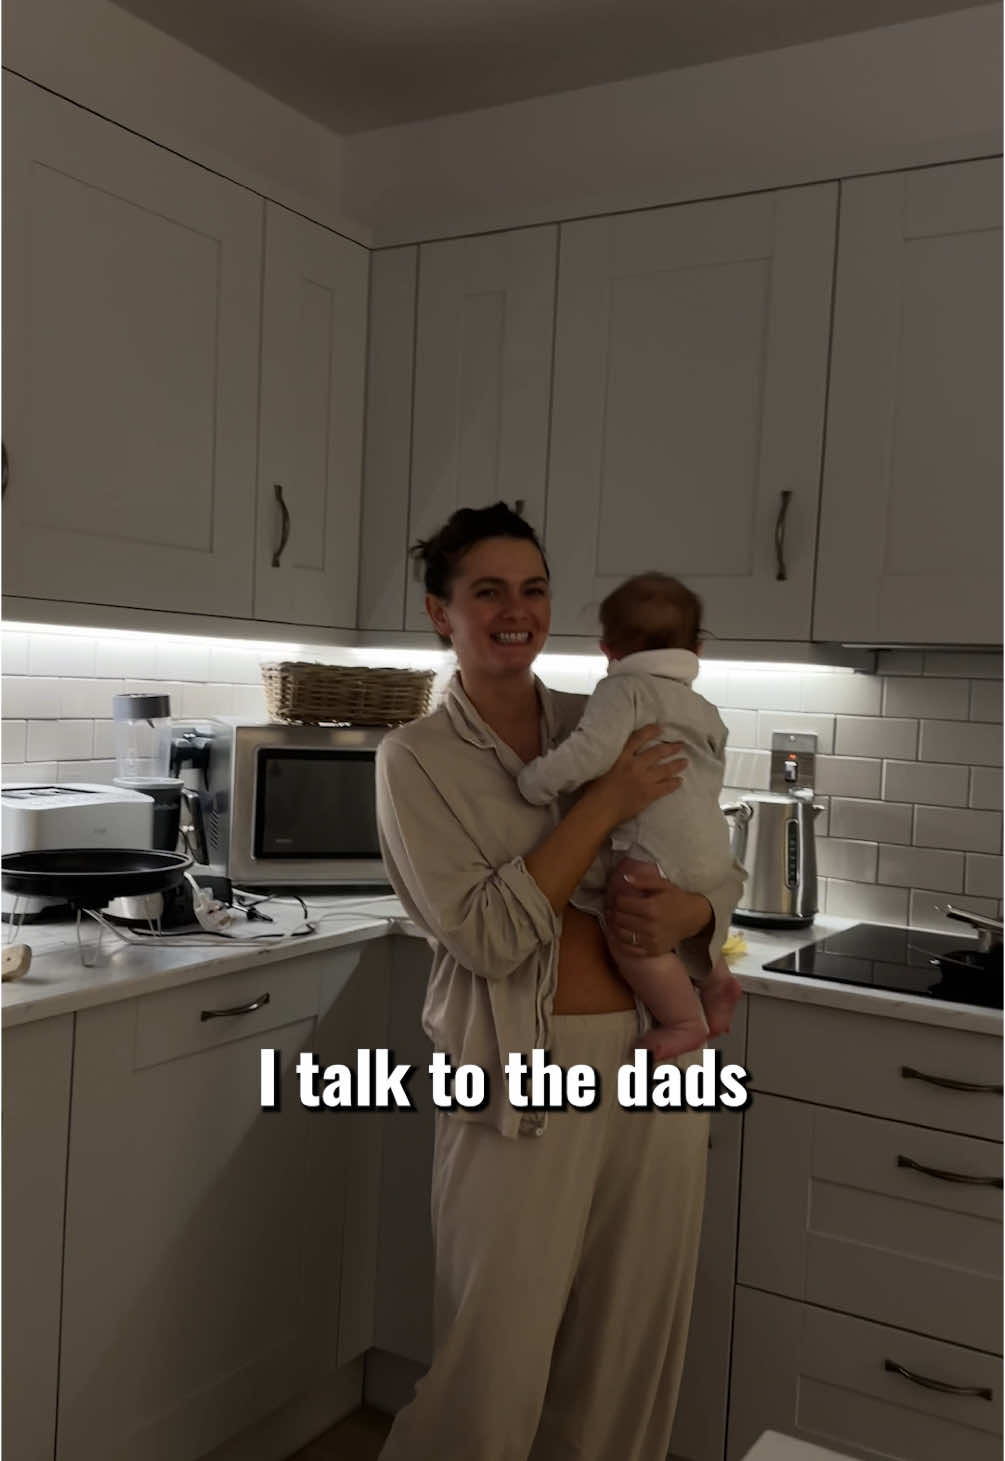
(39, 815)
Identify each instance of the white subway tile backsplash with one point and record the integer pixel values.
(748, 769)
(237, 666)
(202, 700)
(923, 781)
(949, 827)
(821, 726)
(125, 659)
(37, 771)
(100, 771)
(869, 901)
(986, 788)
(970, 666)
(182, 661)
(920, 867)
(848, 776)
(86, 699)
(249, 701)
(711, 683)
(842, 694)
(742, 726)
(59, 740)
(875, 821)
(104, 739)
(14, 740)
(925, 911)
(26, 698)
(986, 700)
(755, 689)
(14, 653)
(853, 861)
(876, 736)
(61, 654)
(983, 875)
(967, 744)
(939, 699)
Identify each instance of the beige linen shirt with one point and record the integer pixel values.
(454, 831)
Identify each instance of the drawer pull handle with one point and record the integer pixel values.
(910, 1074)
(980, 1392)
(284, 531)
(781, 570)
(238, 1009)
(945, 1176)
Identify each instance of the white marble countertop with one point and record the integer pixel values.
(57, 982)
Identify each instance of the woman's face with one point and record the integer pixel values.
(499, 609)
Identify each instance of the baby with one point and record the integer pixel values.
(651, 629)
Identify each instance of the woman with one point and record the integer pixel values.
(565, 1240)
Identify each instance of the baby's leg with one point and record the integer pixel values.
(720, 991)
(662, 983)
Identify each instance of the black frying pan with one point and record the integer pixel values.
(90, 877)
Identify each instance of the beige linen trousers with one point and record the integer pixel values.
(564, 1275)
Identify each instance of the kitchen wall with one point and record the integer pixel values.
(909, 766)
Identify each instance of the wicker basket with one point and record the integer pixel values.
(301, 692)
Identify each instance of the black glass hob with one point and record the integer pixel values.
(906, 960)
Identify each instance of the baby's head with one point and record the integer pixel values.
(650, 611)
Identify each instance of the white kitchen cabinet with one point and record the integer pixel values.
(911, 520)
(483, 345)
(36, 1109)
(203, 1235)
(311, 423)
(688, 410)
(132, 284)
(824, 1377)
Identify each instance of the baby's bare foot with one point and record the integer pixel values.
(719, 998)
(666, 1042)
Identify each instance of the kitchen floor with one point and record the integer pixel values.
(357, 1438)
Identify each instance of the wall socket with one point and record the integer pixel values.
(793, 762)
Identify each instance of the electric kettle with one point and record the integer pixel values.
(772, 835)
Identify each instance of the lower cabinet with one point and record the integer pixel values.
(37, 1060)
(204, 1236)
(868, 1302)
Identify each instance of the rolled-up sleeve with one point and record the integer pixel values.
(490, 919)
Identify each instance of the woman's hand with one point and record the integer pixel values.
(649, 915)
(639, 776)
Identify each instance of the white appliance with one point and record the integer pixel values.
(39, 815)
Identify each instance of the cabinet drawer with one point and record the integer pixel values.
(832, 1214)
(882, 1067)
(825, 1377)
(173, 1023)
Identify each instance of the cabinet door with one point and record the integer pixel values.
(823, 1377)
(690, 369)
(911, 525)
(311, 425)
(131, 333)
(874, 1218)
(203, 1235)
(36, 1113)
(482, 377)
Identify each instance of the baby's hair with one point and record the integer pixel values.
(441, 554)
(651, 611)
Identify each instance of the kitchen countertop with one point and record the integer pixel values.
(57, 982)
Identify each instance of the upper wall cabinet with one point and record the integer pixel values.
(478, 413)
(131, 292)
(690, 379)
(911, 530)
(311, 423)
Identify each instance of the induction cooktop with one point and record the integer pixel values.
(906, 960)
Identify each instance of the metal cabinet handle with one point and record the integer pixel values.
(945, 1176)
(781, 571)
(238, 1009)
(910, 1074)
(3, 473)
(981, 1392)
(284, 531)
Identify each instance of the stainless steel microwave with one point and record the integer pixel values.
(282, 805)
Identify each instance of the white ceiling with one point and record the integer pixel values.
(359, 64)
